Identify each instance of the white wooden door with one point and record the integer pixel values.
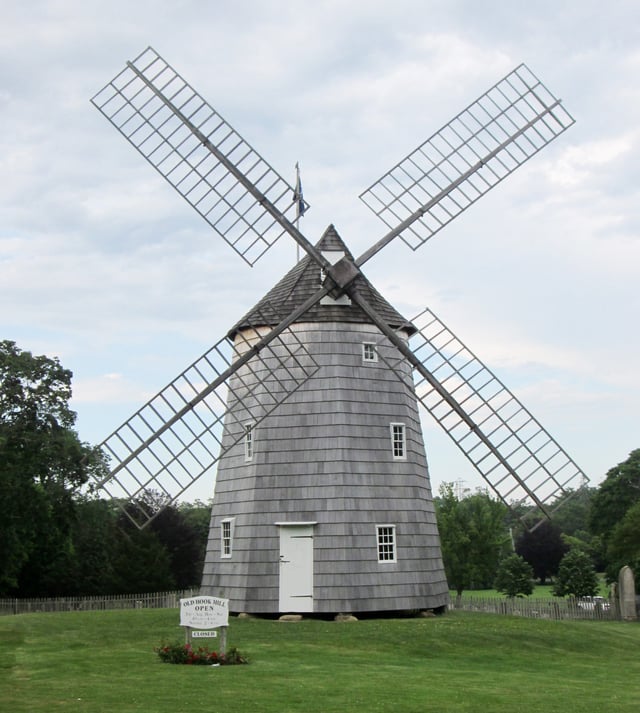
(296, 568)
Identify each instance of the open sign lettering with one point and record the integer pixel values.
(204, 612)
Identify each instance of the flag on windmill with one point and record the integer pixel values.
(301, 206)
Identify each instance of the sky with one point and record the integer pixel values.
(104, 266)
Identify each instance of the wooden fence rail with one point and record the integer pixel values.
(532, 608)
(157, 600)
(556, 608)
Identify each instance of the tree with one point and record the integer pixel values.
(42, 462)
(514, 577)
(473, 538)
(591, 544)
(543, 549)
(613, 512)
(624, 545)
(166, 554)
(182, 541)
(198, 515)
(141, 563)
(616, 494)
(111, 556)
(576, 576)
(94, 538)
(571, 511)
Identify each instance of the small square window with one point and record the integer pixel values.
(226, 538)
(386, 543)
(398, 441)
(369, 352)
(248, 441)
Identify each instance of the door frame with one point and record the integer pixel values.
(301, 601)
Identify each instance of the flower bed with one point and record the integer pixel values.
(187, 654)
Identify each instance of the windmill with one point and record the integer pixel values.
(309, 405)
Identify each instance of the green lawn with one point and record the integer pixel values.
(104, 662)
(540, 591)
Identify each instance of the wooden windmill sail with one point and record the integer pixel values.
(290, 403)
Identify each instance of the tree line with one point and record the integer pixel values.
(57, 539)
(485, 545)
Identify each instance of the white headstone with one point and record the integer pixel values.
(627, 594)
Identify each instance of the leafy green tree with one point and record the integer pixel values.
(95, 538)
(543, 549)
(591, 544)
(42, 462)
(624, 544)
(576, 576)
(141, 563)
(182, 541)
(616, 494)
(198, 516)
(167, 554)
(473, 537)
(571, 511)
(514, 577)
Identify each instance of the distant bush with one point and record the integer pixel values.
(514, 577)
(576, 576)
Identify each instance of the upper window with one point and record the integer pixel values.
(369, 351)
(398, 441)
(248, 441)
(386, 543)
(226, 538)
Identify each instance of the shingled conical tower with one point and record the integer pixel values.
(326, 505)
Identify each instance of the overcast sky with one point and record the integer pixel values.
(103, 265)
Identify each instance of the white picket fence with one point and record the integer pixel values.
(157, 600)
(556, 608)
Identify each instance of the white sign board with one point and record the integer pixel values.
(204, 612)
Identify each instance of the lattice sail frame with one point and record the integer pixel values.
(177, 436)
(173, 440)
(467, 157)
(527, 466)
(194, 148)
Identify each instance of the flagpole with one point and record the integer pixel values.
(297, 199)
(301, 205)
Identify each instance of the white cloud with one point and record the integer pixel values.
(582, 165)
(108, 388)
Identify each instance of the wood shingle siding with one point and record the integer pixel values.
(324, 461)
(325, 456)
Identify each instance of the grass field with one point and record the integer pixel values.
(104, 662)
(541, 591)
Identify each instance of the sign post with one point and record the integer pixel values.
(205, 615)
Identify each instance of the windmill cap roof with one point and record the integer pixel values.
(304, 280)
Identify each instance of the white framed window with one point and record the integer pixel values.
(386, 535)
(226, 538)
(369, 352)
(248, 441)
(398, 441)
